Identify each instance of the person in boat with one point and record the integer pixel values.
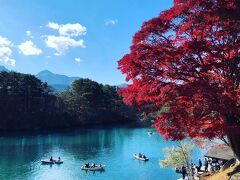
(87, 165)
(144, 156)
(93, 165)
(59, 159)
(139, 155)
(51, 159)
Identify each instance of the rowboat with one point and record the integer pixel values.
(47, 162)
(150, 133)
(96, 168)
(140, 158)
(58, 162)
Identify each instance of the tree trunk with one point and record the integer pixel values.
(190, 173)
(233, 136)
(234, 141)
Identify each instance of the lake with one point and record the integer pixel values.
(21, 154)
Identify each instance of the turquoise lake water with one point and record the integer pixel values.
(21, 155)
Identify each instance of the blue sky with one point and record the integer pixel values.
(72, 37)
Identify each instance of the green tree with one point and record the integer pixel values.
(89, 102)
(89, 91)
(28, 103)
(178, 156)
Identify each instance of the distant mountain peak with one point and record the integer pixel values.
(45, 72)
(58, 81)
(123, 85)
(2, 68)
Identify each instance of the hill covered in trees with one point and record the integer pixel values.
(28, 103)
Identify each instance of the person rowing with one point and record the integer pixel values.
(93, 165)
(141, 155)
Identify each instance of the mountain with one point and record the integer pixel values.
(122, 85)
(2, 68)
(59, 82)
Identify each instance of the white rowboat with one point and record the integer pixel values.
(140, 158)
(150, 133)
(96, 168)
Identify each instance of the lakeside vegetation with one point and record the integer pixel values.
(28, 103)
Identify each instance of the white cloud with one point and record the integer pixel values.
(28, 33)
(111, 22)
(4, 41)
(5, 53)
(53, 25)
(70, 30)
(28, 48)
(78, 60)
(62, 43)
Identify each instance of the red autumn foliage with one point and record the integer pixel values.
(188, 60)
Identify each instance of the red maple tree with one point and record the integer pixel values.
(184, 66)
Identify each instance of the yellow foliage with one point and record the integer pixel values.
(225, 175)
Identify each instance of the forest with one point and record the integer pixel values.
(30, 104)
